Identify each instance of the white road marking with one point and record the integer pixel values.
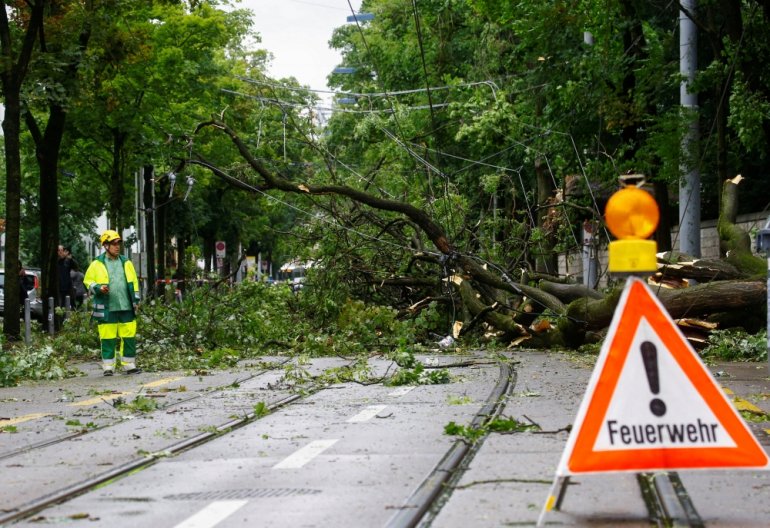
(212, 514)
(401, 391)
(306, 454)
(367, 414)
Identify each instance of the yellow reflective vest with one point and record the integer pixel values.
(96, 276)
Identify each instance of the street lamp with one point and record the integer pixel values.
(172, 181)
(190, 182)
(361, 17)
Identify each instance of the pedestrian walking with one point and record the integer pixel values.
(64, 266)
(112, 281)
(23, 290)
(78, 287)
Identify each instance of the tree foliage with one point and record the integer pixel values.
(483, 136)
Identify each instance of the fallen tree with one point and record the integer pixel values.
(515, 308)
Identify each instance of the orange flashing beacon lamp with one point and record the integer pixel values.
(632, 216)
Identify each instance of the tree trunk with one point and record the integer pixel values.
(16, 50)
(734, 242)
(545, 257)
(663, 232)
(569, 292)
(47, 149)
(149, 226)
(11, 133)
(713, 297)
(208, 254)
(117, 192)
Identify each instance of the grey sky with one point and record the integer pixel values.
(297, 33)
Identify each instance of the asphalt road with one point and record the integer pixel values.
(348, 455)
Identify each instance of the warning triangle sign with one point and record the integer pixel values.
(652, 404)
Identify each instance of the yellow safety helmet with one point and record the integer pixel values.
(109, 236)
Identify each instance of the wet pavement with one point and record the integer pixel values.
(504, 484)
(507, 482)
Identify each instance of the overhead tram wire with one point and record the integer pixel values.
(387, 98)
(324, 151)
(387, 95)
(577, 157)
(431, 167)
(434, 123)
(491, 84)
(387, 132)
(500, 167)
(249, 187)
(521, 182)
(524, 189)
(293, 104)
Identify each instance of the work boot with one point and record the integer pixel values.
(133, 370)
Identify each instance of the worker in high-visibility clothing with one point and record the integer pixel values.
(112, 281)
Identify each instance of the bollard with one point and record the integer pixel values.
(67, 307)
(51, 309)
(27, 323)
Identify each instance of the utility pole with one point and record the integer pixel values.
(689, 183)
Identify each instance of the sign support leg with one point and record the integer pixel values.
(555, 498)
(562, 493)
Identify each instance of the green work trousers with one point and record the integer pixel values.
(119, 328)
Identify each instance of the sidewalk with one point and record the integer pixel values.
(508, 481)
(748, 386)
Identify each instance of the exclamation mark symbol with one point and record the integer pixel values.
(650, 359)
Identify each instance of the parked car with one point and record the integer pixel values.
(32, 285)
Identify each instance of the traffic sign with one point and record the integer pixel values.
(652, 404)
(220, 248)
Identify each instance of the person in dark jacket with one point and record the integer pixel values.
(64, 266)
(23, 293)
(77, 285)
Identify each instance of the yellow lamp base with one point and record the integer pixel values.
(633, 256)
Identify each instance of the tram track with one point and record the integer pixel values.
(665, 496)
(68, 492)
(667, 500)
(433, 490)
(74, 490)
(162, 407)
(84, 486)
